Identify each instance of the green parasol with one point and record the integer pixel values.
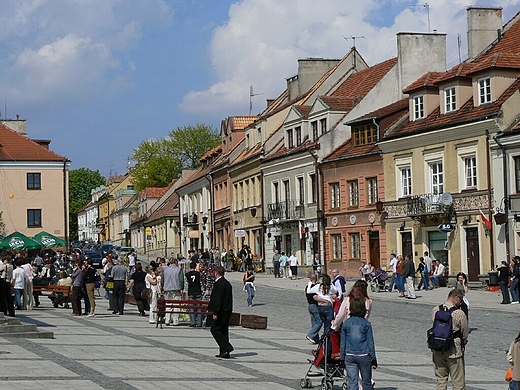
(18, 241)
(47, 240)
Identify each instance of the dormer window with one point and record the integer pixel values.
(364, 135)
(449, 99)
(290, 140)
(484, 90)
(323, 125)
(418, 107)
(247, 141)
(298, 131)
(315, 134)
(259, 133)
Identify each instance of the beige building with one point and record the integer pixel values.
(34, 193)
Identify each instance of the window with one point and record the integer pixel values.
(313, 187)
(34, 181)
(276, 192)
(484, 90)
(290, 140)
(34, 218)
(364, 135)
(259, 134)
(298, 131)
(353, 193)
(437, 178)
(517, 174)
(247, 141)
(372, 191)
(418, 107)
(449, 95)
(334, 196)
(406, 181)
(323, 125)
(337, 252)
(235, 195)
(355, 246)
(314, 126)
(301, 192)
(470, 167)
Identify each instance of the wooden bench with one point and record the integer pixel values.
(182, 306)
(57, 294)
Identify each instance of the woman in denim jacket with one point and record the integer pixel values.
(357, 346)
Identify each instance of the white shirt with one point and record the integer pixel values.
(131, 260)
(393, 264)
(19, 278)
(328, 296)
(294, 260)
(439, 270)
(428, 262)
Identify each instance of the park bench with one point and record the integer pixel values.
(57, 294)
(182, 306)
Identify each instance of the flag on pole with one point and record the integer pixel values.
(302, 230)
(486, 221)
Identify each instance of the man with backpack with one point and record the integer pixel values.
(447, 339)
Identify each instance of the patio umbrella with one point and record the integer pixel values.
(49, 241)
(18, 241)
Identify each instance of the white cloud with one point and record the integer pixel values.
(263, 39)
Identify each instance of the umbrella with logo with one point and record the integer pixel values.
(18, 241)
(49, 241)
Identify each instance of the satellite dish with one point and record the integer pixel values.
(446, 199)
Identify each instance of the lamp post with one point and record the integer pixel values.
(320, 216)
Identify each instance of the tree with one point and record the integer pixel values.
(158, 162)
(81, 182)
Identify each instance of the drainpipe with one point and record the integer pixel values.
(505, 198)
(65, 203)
(321, 249)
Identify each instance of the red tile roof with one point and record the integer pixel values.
(339, 102)
(426, 80)
(241, 122)
(460, 70)
(17, 147)
(303, 110)
(166, 209)
(155, 192)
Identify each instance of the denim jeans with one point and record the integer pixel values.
(18, 293)
(359, 364)
(400, 283)
(424, 281)
(250, 293)
(392, 282)
(514, 290)
(195, 319)
(435, 280)
(326, 316)
(316, 322)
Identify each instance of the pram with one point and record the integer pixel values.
(326, 363)
(378, 281)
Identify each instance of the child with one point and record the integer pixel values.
(357, 346)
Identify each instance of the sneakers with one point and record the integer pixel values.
(310, 339)
(514, 302)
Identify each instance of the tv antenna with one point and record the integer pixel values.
(427, 7)
(251, 94)
(354, 46)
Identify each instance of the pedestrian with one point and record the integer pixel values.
(399, 267)
(409, 275)
(438, 273)
(293, 261)
(392, 264)
(194, 292)
(338, 281)
(515, 293)
(358, 290)
(221, 305)
(109, 284)
(77, 287)
(284, 264)
(90, 276)
(310, 291)
(137, 285)
(513, 357)
(325, 296)
(243, 256)
(18, 283)
(249, 286)
(276, 263)
(6, 275)
(120, 277)
(461, 284)
(421, 271)
(503, 281)
(427, 267)
(230, 259)
(173, 284)
(28, 298)
(451, 363)
(358, 347)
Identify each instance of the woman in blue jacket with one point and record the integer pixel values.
(357, 346)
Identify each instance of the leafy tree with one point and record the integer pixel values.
(158, 162)
(81, 182)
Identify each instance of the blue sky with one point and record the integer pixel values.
(98, 77)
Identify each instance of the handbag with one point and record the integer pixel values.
(146, 293)
(509, 375)
(109, 285)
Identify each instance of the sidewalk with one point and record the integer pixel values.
(480, 299)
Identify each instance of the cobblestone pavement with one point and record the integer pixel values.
(125, 352)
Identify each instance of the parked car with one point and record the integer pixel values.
(94, 256)
(106, 249)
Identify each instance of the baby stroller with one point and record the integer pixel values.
(326, 363)
(378, 281)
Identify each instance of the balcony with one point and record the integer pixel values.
(288, 210)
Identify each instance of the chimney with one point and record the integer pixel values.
(310, 70)
(484, 25)
(18, 125)
(419, 53)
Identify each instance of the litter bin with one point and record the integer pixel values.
(493, 278)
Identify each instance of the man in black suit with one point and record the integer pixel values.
(221, 305)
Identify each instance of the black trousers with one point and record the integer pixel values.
(220, 331)
(276, 265)
(119, 295)
(76, 300)
(7, 302)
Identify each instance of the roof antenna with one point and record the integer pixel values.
(459, 44)
(354, 47)
(425, 5)
(251, 94)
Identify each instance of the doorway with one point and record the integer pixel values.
(473, 254)
(374, 249)
(406, 244)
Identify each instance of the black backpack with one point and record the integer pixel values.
(440, 336)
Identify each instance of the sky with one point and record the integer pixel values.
(98, 77)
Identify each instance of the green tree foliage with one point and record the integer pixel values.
(81, 182)
(158, 162)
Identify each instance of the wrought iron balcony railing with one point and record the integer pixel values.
(289, 209)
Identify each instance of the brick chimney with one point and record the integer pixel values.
(484, 26)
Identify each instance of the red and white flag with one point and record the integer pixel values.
(302, 230)
(484, 220)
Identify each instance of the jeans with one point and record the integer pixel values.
(195, 319)
(514, 290)
(356, 365)
(250, 293)
(18, 293)
(392, 282)
(435, 280)
(316, 322)
(243, 266)
(424, 281)
(505, 291)
(326, 316)
(400, 283)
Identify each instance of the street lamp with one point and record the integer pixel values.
(379, 206)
